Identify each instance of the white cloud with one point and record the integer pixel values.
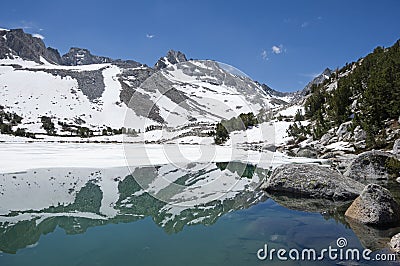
(305, 24)
(309, 75)
(264, 55)
(277, 49)
(150, 36)
(37, 35)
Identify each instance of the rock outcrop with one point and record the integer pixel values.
(395, 243)
(396, 148)
(173, 57)
(369, 165)
(80, 56)
(312, 181)
(375, 207)
(16, 43)
(317, 80)
(307, 152)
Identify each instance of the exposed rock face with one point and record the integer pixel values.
(396, 148)
(375, 206)
(312, 181)
(395, 243)
(273, 92)
(17, 43)
(369, 165)
(359, 134)
(91, 83)
(79, 56)
(343, 131)
(317, 80)
(173, 57)
(326, 138)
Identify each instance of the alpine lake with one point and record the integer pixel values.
(211, 214)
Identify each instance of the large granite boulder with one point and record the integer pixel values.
(375, 206)
(369, 165)
(307, 152)
(312, 181)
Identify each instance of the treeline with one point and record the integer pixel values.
(85, 132)
(242, 122)
(8, 120)
(368, 95)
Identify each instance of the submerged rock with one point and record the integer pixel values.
(375, 206)
(324, 206)
(371, 237)
(312, 181)
(369, 165)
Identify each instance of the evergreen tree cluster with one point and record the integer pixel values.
(242, 122)
(10, 119)
(367, 93)
(298, 131)
(48, 125)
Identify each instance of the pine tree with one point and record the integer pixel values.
(221, 134)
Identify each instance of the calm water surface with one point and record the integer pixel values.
(77, 226)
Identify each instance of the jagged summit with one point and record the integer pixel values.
(16, 43)
(80, 56)
(317, 80)
(172, 57)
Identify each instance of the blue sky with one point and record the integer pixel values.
(280, 43)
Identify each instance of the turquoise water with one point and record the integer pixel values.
(233, 240)
(230, 231)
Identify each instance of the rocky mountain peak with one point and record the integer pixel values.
(172, 57)
(327, 72)
(317, 80)
(81, 56)
(16, 43)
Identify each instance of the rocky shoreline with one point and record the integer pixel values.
(349, 186)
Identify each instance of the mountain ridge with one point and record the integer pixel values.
(84, 94)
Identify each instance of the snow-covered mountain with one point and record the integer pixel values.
(80, 90)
